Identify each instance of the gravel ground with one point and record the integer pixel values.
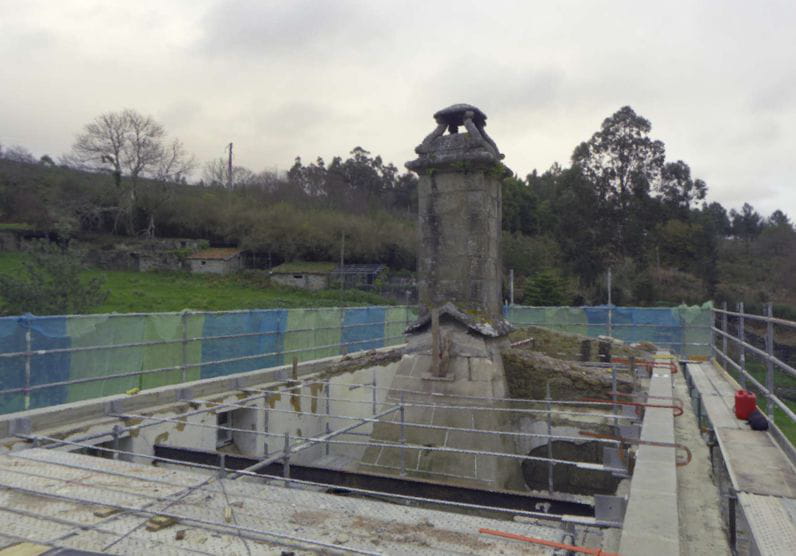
(701, 528)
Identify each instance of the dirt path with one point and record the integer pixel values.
(701, 527)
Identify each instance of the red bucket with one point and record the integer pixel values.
(745, 404)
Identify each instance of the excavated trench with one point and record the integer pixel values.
(567, 478)
(558, 361)
(302, 412)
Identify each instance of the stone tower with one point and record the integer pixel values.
(453, 356)
(459, 220)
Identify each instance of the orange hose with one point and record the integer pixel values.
(551, 544)
(639, 362)
(648, 363)
(678, 410)
(678, 401)
(674, 445)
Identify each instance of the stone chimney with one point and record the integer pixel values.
(459, 221)
(453, 354)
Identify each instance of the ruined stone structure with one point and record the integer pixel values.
(459, 216)
(455, 346)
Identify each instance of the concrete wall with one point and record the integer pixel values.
(134, 260)
(302, 280)
(346, 400)
(159, 261)
(215, 266)
(459, 239)
(301, 415)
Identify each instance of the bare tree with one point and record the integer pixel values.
(102, 143)
(173, 167)
(216, 173)
(144, 152)
(175, 163)
(130, 145)
(18, 153)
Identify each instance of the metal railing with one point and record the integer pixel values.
(743, 347)
(387, 411)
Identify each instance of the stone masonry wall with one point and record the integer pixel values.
(459, 238)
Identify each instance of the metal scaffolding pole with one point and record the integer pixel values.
(255, 494)
(769, 362)
(742, 358)
(310, 442)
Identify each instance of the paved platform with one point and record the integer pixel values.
(760, 471)
(651, 523)
(76, 501)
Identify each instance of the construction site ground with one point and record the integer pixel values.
(60, 498)
(77, 501)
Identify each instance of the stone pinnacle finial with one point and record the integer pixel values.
(439, 150)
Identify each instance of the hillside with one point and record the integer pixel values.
(175, 291)
(615, 207)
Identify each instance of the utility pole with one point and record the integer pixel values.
(229, 168)
(610, 309)
(511, 287)
(342, 262)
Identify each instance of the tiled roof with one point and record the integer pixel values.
(360, 269)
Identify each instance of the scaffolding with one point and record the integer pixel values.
(387, 411)
(340, 431)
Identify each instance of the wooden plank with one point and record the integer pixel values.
(715, 405)
(756, 464)
(25, 549)
(758, 468)
(719, 414)
(721, 381)
(700, 381)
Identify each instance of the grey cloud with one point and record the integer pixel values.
(286, 28)
(775, 96)
(493, 86)
(294, 119)
(318, 77)
(759, 132)
(181, 113)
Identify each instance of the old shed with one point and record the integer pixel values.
(303, 274)
(361, 276)
(218, 260)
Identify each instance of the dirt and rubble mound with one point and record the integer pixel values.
(364, 360)
(528, 372)
(570, 347)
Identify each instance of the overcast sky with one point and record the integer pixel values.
(308, 78)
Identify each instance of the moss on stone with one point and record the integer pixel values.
(566, 346)
(528, 372)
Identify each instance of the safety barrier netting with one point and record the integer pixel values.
(49, 360)
(684, 330)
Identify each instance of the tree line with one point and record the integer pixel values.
(619, 204)
(622, 204)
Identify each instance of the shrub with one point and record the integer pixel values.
(545, 289)
(50, 284)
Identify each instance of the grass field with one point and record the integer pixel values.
(175, 291)
(758, 370)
